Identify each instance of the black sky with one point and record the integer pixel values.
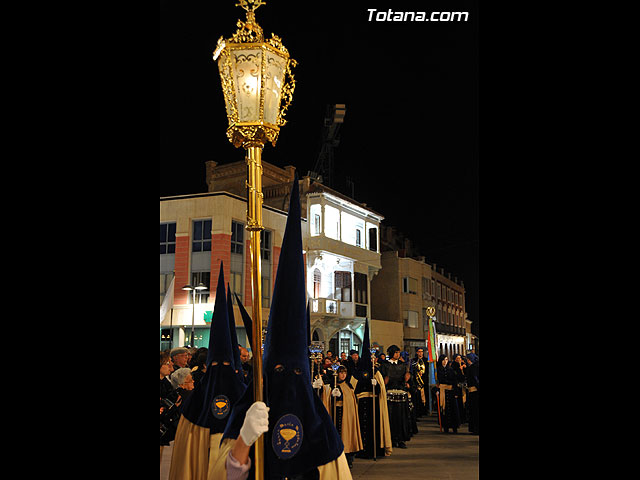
(410, 137)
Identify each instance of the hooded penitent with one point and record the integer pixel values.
(246, 320)
(210, 403)
(364, 370)
(301, 434)
(237, 363)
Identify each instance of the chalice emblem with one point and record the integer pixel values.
(287, 436)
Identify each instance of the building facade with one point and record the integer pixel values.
(406, 286)
(197, 232)
(448, 296)
(341, 247)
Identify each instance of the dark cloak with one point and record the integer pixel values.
(288, 389)
(219, 380)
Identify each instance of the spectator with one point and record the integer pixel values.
(352, 363)
(472, 372)
(449, 414)
(182, 382)
(199, 365)
(168, 399)
(180, 357)
(247, 368)
(194, 359)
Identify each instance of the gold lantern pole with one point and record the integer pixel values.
(263, 65)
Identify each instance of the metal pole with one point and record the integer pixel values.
(193, 314)
(254, 226)
(373, 413)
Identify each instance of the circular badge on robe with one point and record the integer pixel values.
(287, 436)
(220, 407)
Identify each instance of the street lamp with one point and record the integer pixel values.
(258, 86)
(200, 286)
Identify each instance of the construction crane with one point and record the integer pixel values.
(323, 169)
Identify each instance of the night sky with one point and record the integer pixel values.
(409, 140)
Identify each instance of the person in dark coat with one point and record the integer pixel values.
(449, 414)
(410, 388)
(398, 402)
(372, 405)
(352, 363)
(300, 439)
(169, 403)
(460, 384)
(472, 372)
(420, 383)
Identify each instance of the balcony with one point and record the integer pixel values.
(325, 306)
(337, 308)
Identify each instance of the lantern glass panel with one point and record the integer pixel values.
(275, 67)
(247, 69)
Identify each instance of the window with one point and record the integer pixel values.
(411, 319)
(409, 285)
(265, 244)
(316, 225)
(201, 241)
(425, 288)
(332, 222)
(167, 238)
(343, 286)
(266, 291)
(237, 260)
(317, 276)
(265, 255)
(360, 287)
(358, 238)
(235, 284)
(237, 237)
(201, 296)
(373, 239)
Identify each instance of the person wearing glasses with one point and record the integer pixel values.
(182, 381)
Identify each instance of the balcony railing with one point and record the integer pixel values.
(325, 306)
(338, 308)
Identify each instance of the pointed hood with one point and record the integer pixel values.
(246, 319)
(285, 341)
(289, 395)
(364, 365)
(210, 402)
(237, 363)
(294, 408)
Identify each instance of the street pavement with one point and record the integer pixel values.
(429, 454)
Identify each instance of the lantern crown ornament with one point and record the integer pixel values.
(257, 81)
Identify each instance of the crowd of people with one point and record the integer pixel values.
(313, 418)
(402, 389)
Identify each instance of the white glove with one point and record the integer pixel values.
(256, 422)
(336, 392)
(317, 383)
(374, 382)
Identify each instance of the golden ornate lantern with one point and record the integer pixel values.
(258, 86)
(257, 81)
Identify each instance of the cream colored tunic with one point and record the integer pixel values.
(335, 470)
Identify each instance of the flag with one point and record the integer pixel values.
(168, 300)
(431, 341)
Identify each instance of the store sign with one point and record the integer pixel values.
(208, 316)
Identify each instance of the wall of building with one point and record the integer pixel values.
(384, 334)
